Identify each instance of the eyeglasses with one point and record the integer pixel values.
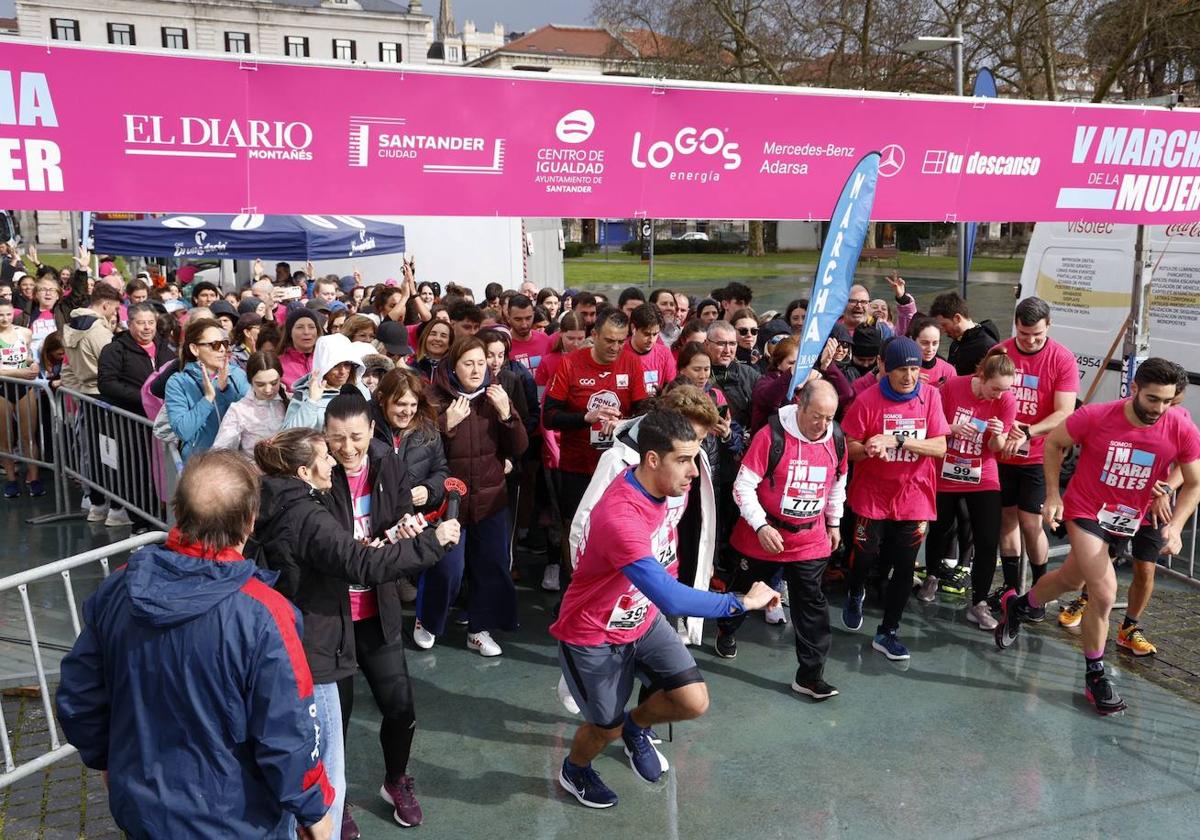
(747, 330)
(862, 302)
(221, 344)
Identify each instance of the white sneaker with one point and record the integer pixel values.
(565, 697)
(98, 513)
(550, 581)
(775, 616)
(484, 643)
(422, 637)
(408, 591)
(928, 590)
(117, 518)
(86, 504)
(981, 615)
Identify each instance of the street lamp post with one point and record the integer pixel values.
(928, 43)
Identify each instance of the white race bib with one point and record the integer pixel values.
(963, 470)
(807, 506)
(629, 612)
(1119, 520)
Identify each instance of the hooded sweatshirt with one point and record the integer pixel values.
(331, 350)
(86, 333)
(189, 686)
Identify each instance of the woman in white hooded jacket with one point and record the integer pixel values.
(336, 362)
(260, 413)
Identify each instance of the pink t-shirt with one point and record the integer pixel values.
(602, 606)
(658, 365)
(803, 478)
(532, 350)
(1119, 463)
(362, 598)
(901, 485)
(1039, 376)
(969, 465)
(938, 373)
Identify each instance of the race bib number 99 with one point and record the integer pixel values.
(964, 470)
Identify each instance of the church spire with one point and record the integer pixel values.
(446, 28)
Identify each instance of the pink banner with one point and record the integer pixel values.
(127, 131)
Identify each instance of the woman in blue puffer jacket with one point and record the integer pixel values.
(198, 396)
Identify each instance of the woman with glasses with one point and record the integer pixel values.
(745, 323)
(198, 396)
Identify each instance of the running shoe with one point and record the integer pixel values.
(422, 637)
(980, 614)
(890, 646)
(1072, 613)
(1135, 641)
(585, 784)
(349, 826)
(852, 612)
(35, 488)
(726, 645)
(1100, 693)
(775, 616)
(399, 794)
(117, 518)
(550, 581)
(1010, 622)
(928, 590)
(11, 490)
(817, 688)
(955, 581)
(483, 643)
(645, 759)
(98, 513)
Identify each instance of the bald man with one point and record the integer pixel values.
(791, 507)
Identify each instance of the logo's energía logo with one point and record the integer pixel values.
(575, 127)
(691, 144)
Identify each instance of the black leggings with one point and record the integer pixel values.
(387, 674)
(983, 508)
(878, 541)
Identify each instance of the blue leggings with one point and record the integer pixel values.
(482, 553)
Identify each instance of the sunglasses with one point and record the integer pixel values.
(222, 344)
(747, 330)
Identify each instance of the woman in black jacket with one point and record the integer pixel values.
(405, 421)
(305, 532)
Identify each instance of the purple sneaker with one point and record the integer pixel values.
(349, 826)
(399, 795)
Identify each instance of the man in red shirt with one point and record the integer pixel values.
(896, 435)
(790, 517)
(1045, 388)
(648, 353)
(592, 390)
(1126, 448)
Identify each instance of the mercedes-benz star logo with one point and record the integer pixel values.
(891, 160)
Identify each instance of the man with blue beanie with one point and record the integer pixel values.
(896, 435)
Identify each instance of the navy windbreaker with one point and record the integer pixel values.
(190, 687)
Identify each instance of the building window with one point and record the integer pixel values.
(389, 53)
(174, 38)
(344, 49)
(64, 29)
(121, 34)
(237, 42)
(295, 46)
(452, 53)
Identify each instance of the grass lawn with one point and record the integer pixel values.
(621, 267)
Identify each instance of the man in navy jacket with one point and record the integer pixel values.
(189, 685)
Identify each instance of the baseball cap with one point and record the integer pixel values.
(394, 337)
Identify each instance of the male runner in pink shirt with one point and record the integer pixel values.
(1126, 448)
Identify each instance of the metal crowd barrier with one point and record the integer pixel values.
(20, 582)
(30, 421)
(115, 452)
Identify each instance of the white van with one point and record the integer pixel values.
(1085, 271)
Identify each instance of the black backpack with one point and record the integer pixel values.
(777, 443)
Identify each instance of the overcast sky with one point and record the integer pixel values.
(516, 15)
